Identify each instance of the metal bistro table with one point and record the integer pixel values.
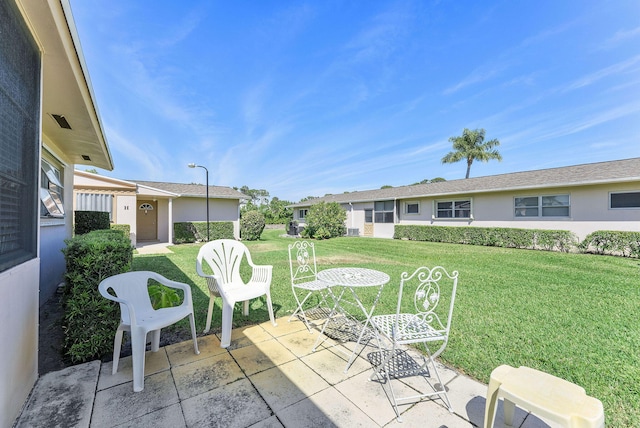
(351, 280)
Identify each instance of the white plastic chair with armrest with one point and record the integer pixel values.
(139, 318)
(433, 292)
(304, 278)
(224, 257)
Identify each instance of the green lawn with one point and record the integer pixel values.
(572, 315)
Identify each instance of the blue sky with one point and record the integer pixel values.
(305, 98)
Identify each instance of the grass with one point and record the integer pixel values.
(572, 315)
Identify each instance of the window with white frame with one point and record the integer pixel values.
(542, 206)
(20, 68)
(383, 211)
(302, 213)
(51, 188)
(412, 207)
(621, 200)
(460, 208)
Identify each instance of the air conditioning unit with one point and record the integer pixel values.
(353, 232)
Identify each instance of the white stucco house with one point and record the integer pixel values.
(581, 198)
(49, 122)
(150, 208)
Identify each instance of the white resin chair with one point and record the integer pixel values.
(224, 257)
(304, 279)
(429, 295)
(139, 318)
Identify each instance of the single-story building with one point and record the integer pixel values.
(48, 123)
(581, 198)
(150, 208)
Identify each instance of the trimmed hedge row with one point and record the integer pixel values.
(193, 231)
(616, 243)
(89, 319)
(124, 228)
(550, 240)
(86, 221)
(613, 242)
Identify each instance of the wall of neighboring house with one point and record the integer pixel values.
(194, 209)
(124, 212)
(589, 211)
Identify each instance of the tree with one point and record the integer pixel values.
(325, 220)
(471, 146)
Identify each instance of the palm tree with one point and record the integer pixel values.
(471, 146)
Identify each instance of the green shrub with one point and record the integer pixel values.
(612, 242)
(188, 231)
(251, 225)
(550, 240)
(86, 221)
(90, 320)
(124, 228)
(325, 220)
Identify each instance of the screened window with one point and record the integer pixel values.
(542, 206)
(412, 207)
(453, 209)
(368, 216)
(625, 200)
(95, 202)
(19, 139)
(302, 213)
(51, 190)
(383, 211)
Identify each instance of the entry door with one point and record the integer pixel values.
(147, 221)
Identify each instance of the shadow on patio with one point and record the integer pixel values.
(267, 378)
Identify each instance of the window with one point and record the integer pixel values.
(624, 200)
(51, 189)
(368, 215)
(19, 139)
(302, 213)
(412, 207)
(383, 211)
(453, 209)
(542, 206)
(95, 202)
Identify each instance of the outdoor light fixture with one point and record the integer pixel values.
(193, 165)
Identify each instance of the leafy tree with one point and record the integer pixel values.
(386, 186)
(432, 180)
(471, 146)
(325, 220)
(258, 196)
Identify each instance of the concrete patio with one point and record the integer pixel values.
(268, 377)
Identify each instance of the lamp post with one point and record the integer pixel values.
(193, 165)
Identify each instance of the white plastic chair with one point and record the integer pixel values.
(139, 318)
(433, 293)
(304, 276)
(224, 257)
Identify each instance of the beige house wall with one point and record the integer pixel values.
(195, 209)
(589, 211)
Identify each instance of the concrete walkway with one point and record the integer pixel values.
(268, 377)
(153, 247)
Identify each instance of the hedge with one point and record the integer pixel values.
(193, 231)
(90, 320)
(550, 240)
(86, 221)
(612, 242)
